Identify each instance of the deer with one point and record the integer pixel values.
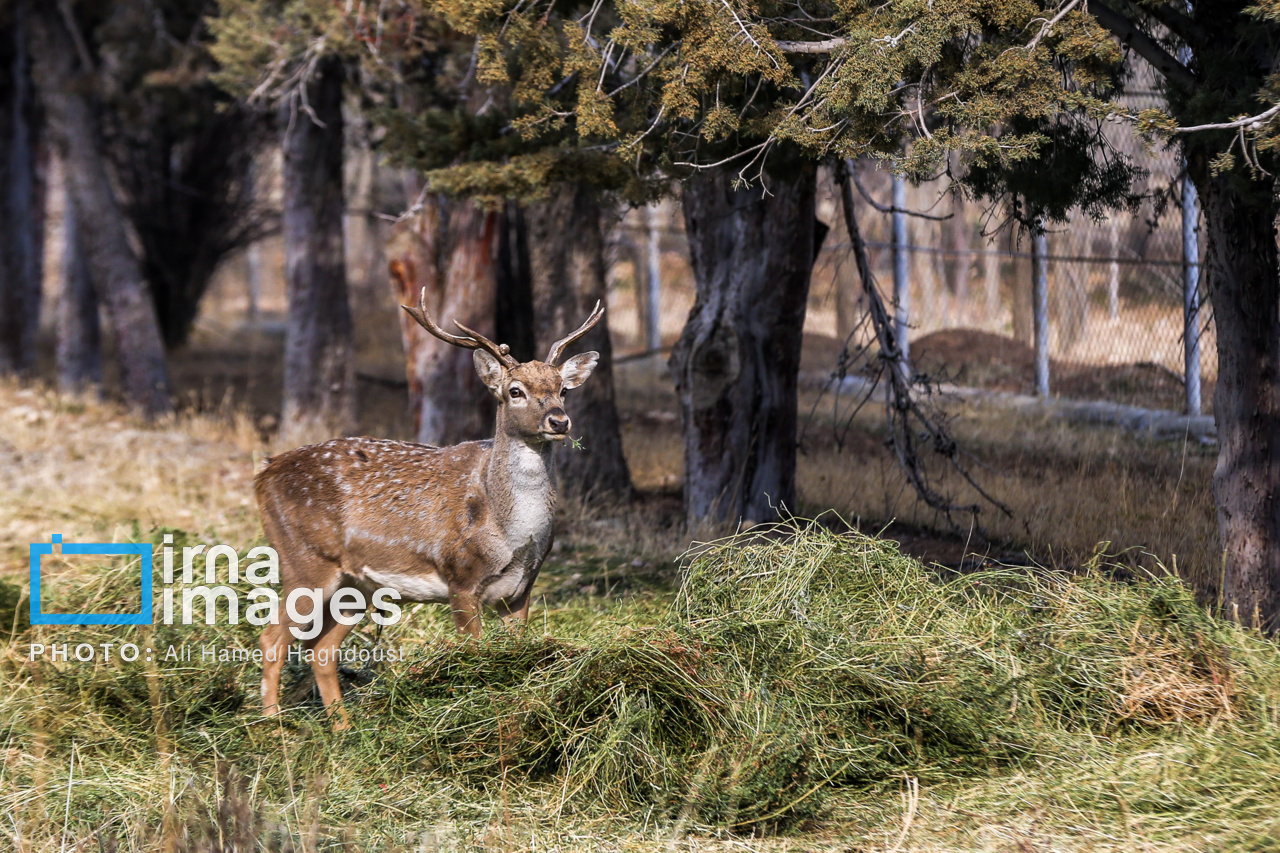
(467, 525)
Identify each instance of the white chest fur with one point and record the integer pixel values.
(529, 517)
(426, 588)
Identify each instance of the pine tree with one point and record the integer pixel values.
(1018, 88)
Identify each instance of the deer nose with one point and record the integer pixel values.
(558, 422)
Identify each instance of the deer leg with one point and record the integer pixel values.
(514, 613)
(275, 642)
(324, 663)
(515, 618)
(466, 612)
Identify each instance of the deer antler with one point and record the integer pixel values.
(473, 340)
(557, 349)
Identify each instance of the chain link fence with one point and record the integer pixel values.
(1114, 301)
(1113, 310)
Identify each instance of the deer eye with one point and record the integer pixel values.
(516, 393)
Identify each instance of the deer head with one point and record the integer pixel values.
(530, 395)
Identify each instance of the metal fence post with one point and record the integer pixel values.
(1191, 294)
(901, 262)
(653, 281)
(1040, 306)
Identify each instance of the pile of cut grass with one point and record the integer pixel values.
(794, 672)
(800, 662)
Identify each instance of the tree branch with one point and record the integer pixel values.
(1177, 22)
(1046, 28)
(1148, 48)
(1250, 122)
(825, 46)
(857, 182)
(913, 425)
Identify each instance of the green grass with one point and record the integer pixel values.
(800, 690)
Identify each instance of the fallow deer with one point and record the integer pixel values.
(467, 525)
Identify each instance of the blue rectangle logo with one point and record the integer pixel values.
(107, 549)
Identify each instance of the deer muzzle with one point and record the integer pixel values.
(555, 426)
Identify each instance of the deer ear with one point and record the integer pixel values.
(491, 371)
(576, 370)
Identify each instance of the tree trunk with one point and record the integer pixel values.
(319, 363)
(79, 332)
(513, 319)
(991, 264)
(567, 272)
(449, 249)
(961, 261)
(115, 270)
(1242, 276)
(22, 209)
(1023, 308)
(737, 360)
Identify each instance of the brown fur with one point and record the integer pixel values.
(468, 524)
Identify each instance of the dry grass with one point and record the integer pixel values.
(878, 708)
(178, 759)
(89, 470)
(1074, 490)
(1071, 487)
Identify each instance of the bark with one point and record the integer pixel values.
(737, 360)
(514, 313)
(1022, 306)
(960, 261)
(567, 272)
(79, 331)
(319, 363)
(75, 132)
(1242, 276)
(991, 263)
(22, 207)
(449, 248)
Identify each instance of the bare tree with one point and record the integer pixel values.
(59, 67)
(319, 358)
(567, 272)
(22, 205)
(447, 248)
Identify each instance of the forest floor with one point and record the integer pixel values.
(177, 756)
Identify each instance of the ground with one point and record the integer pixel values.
(102, 736)
(1000, 363)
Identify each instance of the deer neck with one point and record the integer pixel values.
(521, 488)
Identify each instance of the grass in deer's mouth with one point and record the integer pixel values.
(791, 685)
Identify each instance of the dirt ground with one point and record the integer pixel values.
(1000, 363)
(978, 359)
(1070, 489)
